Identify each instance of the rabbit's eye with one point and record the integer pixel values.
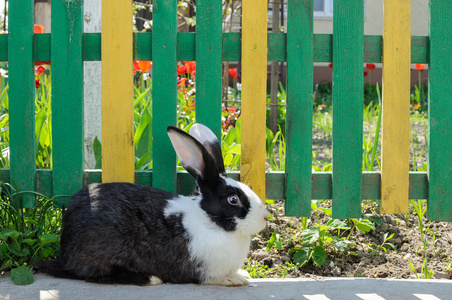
(233, 199)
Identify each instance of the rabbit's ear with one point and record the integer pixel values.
(208, 139)
(194, 157)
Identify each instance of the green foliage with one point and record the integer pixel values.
(370, 148)
(384, 244)
(281, 109)
(142, 105)
(420, 212)
(276, 144)
(316, 240)
(231, 147)
(22, 275)
(27, 235)
(426, 273)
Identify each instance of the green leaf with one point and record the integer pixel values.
(98, 163)
(46, 252)
(139, 165)
(327, 168)
(269, 140)
(6, 264)
(238, 126)
(235, 149)
(337, 224)
(97, 148)
(392, 246)
(271, 241)
(143, 134)
(301, 257)
(278, 245)
(18, 251)
(29, 241)
(22, 275)
(228, 159)
(48, 239)
(376, 219)
(310, 236)
(39, 122)
(341, 244)
(230, 137)
(327, 211)
(319, 256)
(363, 225)
(9, 233)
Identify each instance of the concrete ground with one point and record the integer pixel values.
(46, 287)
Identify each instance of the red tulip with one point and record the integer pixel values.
(233, 73)
(39, 28)
(365, 73)
(142, 65)
(191, 66)
(330, 65)
(40, 70)
(182, 70)
(37, 83)
(420, 67)
(370, 66)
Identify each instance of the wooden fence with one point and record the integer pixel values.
(67, 47)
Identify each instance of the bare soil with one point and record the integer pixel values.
(360, 259)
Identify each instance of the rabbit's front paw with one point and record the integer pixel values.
(154, 280)
(244, 273)
(236, 279)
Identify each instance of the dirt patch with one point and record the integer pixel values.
(367, 255)
(363, 258)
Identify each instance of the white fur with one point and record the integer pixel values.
(154, 280)
(203, 134)
(255, 220)
(221, 252)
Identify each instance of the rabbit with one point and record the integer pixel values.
(125, 233)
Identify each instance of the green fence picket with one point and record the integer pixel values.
(300, 70)
(348, 91)
(164, 93)
(67, 98)
(22, 98)
(439, 206)
(209, 44)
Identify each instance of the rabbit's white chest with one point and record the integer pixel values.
(222, 253)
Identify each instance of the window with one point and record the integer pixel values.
(323, 9)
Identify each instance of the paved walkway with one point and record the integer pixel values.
(46, 287)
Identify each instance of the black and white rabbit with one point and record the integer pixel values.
(133, 234)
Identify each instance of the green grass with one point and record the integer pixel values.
(27, 235)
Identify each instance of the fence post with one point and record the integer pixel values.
(22, 98)
(300, 57)
(118, 159)
(209, 54)
(396, 107)
(67, 98)
(348, 91)
(164, 93)
(439, 202)
(254, 94)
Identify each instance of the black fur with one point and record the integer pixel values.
(214, 202)
(117, 233)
